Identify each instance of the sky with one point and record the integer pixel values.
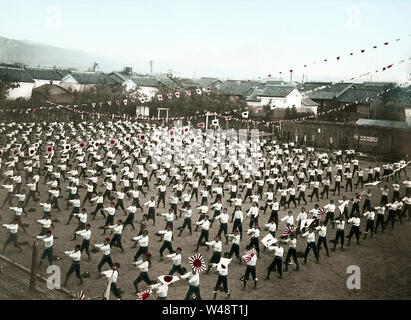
(226, 39)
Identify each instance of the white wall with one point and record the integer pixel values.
(142, 110)
(149, 92)
(294, 98)
(24, 91)
(40, 82)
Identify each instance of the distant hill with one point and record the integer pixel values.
(33, 54)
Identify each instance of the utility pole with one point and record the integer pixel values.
(33, 267)
(206, 125)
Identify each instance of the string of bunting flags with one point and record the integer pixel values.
(244, 115)
(341, 57)
(198, 92)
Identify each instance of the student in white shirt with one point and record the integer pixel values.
(113, 276)
(48, 248)
(322, 237)
(355, 229)
(370, 215)
(75, 265)
(277, 263)
(13, 232)
(176, 258)
(310, 244)
(205, 225)
(292, 251)
(143, 266)
(85, 244)
(167, 235)
(235, 247)
(105, 248)
(251, 269)
(217, 245)
(193, 279)
(143, 240)
(118, 230)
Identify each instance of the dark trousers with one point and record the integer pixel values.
(98, 207)
(292, 252)
(314, 193)
(348, 183)
(221, 280)
(75, 266)
(12, 238)
(119, 204)
(203, 235)
(277, 263)
(48, 253)
(301, 195)
(238, 225)
(235, 249)
(339, 236)
(114, 289)
(175, 268)
(291, 199)
(274, 215)
(248, 271)
(380, 221)
(143, 276)
(140, 251)
(129, 221)
(116, 241)
(223, 228)
(85, 244)
(368, 227)
(193, 290)
(166, 245)
(161, 198)
(391, 217)
(337, 186)
(329, 217)
(187, 222)
(310, 245)
(322, 240)
(354, 230)
(325, 191)
(254, 243)
(105, 259)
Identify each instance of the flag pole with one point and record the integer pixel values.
(33, 267)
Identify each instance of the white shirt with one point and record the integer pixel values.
(370, 215)
(310, 236)
(143, 266)
(167, 234)
(224, 217)
(85, 234)
(216, 244)
(355, 221)
(113, 274)
(105, 248)
(48, 240)
(322, 231)
(289, 219)
(205, 225)
(176, 258)
(142, 240)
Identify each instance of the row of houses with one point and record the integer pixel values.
(309, 97)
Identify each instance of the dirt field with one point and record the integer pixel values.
(14, 284)
(385, 260)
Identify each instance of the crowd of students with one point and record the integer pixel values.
(123, 172)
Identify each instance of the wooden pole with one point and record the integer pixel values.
(33, 266)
